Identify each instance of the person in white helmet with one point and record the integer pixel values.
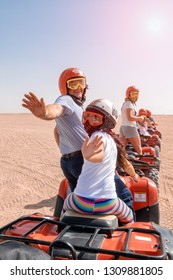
(95, 192)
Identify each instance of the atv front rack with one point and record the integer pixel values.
(76, 251)
(73, 249)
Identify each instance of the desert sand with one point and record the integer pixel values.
(30, 170)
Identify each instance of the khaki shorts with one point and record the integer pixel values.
(128, 132)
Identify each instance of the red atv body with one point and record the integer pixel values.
(91, 237)
(155, 131)
(94, 237)
(147, 164)
(145, 198)
(99, 237)
(152, 141)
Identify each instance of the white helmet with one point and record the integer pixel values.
(107, 108)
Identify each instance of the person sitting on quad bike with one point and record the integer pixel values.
(67, 112)
(152, 129)
(143, 126)
(147, 131)
(95, 192)
(150, 117)
(128, 130)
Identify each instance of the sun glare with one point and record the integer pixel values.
(154, 25)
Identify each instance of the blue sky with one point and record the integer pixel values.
(117, 43)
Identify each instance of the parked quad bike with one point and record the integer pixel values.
(91, 237)
(155, 131)
(152, 141)
(85, 237)
(145, 164)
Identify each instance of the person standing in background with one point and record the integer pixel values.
(128, 130)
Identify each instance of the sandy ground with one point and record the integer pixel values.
(30, 170)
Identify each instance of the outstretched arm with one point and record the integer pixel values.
(39, 109)
(93, 151)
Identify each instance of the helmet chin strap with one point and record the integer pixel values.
(78, 101)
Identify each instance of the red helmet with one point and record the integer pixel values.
(148, 113)
(142, 112)
(129, 89)
(66, 75)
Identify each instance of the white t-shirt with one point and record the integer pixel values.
(127, 105)
(97, 179)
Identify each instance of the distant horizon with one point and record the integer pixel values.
(38, 118)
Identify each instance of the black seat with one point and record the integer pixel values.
(99, 221)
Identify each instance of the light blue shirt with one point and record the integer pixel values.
(70, 128)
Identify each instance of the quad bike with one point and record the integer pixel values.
(90, 237)
(155, 131)
(145, 164)
(83, 237)
(152, 141)
(86, 237)
(95, 237)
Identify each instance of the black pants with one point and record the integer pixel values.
(124, 193)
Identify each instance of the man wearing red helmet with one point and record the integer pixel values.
(67, 112)
(128, 130)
